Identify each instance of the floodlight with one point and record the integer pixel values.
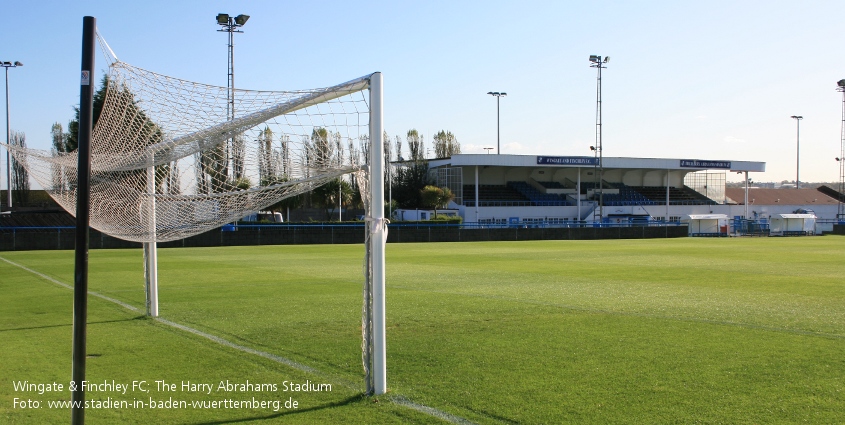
(7, 64)
(797, 117)
(595, 58)
(241, 19)
(222, 18)
(841, 83)
(18, 63)
(489, 92)
(503, 94)
(592, 148)
(606, 59)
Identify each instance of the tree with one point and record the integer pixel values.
(321, 148)
(59, 146)
(412, 175)
(72, 135)
(446, 144)
(408, 180)
(20, 177)
(266, 162)
(291, 202)
(59, 138)
(327, 195)
(133, 116)
(416, 145)
(436, 197)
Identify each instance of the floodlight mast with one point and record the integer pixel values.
(230, 25)
(8, 65)
(498, 127)
(840, 215)
(597, 62)
(797, 119)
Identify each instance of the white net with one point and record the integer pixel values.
(171, 158)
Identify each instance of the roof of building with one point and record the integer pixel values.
(757, 196)
(544, 161)
(708, 216)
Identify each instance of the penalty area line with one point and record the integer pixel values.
(400, 401)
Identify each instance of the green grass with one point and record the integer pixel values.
(623, 331)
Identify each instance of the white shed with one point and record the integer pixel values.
(792, 224)
(707, 224)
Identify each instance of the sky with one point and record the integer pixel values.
(716, 80)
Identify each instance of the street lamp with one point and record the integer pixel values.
(840, 86)
(488, 150)
(498, 96)
(797, 119)
(8, 65)
(597, 62)
(230, 25)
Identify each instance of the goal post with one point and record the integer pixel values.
(379, 235)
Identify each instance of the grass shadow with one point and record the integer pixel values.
(71, 324)
(340, 403)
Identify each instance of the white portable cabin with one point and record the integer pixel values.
(707, 224)
(792, 224)
(421, 215)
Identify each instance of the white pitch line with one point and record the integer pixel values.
(65, 285)
(401, 401)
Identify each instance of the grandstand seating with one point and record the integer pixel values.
(521, 193)
(536, 197)
(551, 185)
(494, 196)
(677, 196)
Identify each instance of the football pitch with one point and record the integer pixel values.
(690, 330)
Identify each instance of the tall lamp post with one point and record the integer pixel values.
(840, 86)
(797, 119)
(598, 62)
(8, 65)
(498, 96)
(230, 25)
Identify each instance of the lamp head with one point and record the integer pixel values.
(841, 83)
(241, 19)
(222, 18)
(606, 59)
(18, 63)
(7, 64)
(798, 117)
(595, 58)
(592, 148)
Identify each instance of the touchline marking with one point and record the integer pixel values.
(65, 285)
(401, 401)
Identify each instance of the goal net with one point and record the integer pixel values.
(173, 158)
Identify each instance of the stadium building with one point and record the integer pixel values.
(564, 190)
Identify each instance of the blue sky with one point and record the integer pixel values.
(699, 80)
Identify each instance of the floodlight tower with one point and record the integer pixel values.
(797, 119)
(598, 62)
(840, 214)
(230, 25)
(8, 65)
(498, 96)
